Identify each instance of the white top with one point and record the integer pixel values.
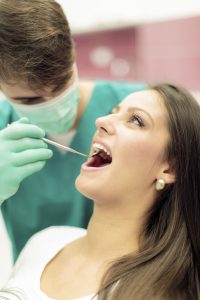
(39, 250)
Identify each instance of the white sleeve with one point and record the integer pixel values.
(12, 294)
(42, 245)
(38, 251)
(47, 241)
(35, 246)
(12, 290)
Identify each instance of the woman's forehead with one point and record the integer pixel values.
(148, 100)
(142, 97)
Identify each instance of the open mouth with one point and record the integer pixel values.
(100, 156)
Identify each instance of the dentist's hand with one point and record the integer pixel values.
(22, 153)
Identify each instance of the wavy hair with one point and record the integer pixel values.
(168, 263)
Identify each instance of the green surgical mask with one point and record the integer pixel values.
(55, 116)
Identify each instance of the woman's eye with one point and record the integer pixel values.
(136, 120)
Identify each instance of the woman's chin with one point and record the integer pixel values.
(86, 188)
(82, 186)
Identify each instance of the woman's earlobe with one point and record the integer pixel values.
(160, 184)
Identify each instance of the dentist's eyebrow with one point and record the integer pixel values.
(26, 98)
(58, 87)
(133, 109)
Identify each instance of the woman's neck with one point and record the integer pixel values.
(109, 236)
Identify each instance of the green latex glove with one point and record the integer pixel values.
(22, 153)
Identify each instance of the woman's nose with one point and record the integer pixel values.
(105, 124)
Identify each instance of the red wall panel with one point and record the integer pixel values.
(165, 51)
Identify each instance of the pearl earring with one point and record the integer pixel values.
(160, 184)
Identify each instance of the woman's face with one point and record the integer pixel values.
(135, 136)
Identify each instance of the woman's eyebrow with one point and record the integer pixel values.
(133, 109)
(116, 109)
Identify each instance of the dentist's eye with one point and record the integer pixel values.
(136, 120)
(33, 101)
(30, 101)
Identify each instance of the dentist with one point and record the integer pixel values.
(39, 79)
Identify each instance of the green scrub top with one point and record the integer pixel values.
(49, 197)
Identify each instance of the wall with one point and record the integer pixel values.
(162, 51)
(109, 54)
(170, 51)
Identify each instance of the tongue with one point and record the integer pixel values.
(97, 161)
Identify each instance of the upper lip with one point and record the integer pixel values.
(103, 144)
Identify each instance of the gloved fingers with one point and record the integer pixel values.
(30, 156)
(30, 169)
(25, 144)
(23, 120)
(18, 130)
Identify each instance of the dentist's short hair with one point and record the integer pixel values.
(35, 43)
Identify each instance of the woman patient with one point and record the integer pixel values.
(143, 239)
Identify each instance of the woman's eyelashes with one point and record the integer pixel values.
(134, 118)
(137, 120)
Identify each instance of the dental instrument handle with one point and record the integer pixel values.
(63, 147)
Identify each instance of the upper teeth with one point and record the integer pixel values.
(97, 147)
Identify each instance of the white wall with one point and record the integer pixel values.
(122, 13)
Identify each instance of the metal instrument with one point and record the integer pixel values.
(63, 147)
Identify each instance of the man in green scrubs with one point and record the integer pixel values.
(39, 79)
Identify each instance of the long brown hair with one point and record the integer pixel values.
(167, 266)
(36, 46)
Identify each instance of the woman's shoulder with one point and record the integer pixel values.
(38, 251)
(46, 243)
(57, 232)
(52, 237)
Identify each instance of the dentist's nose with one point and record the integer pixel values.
(105, 124)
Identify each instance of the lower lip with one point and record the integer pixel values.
(85, 168)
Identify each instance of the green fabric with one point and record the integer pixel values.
(49, 197)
